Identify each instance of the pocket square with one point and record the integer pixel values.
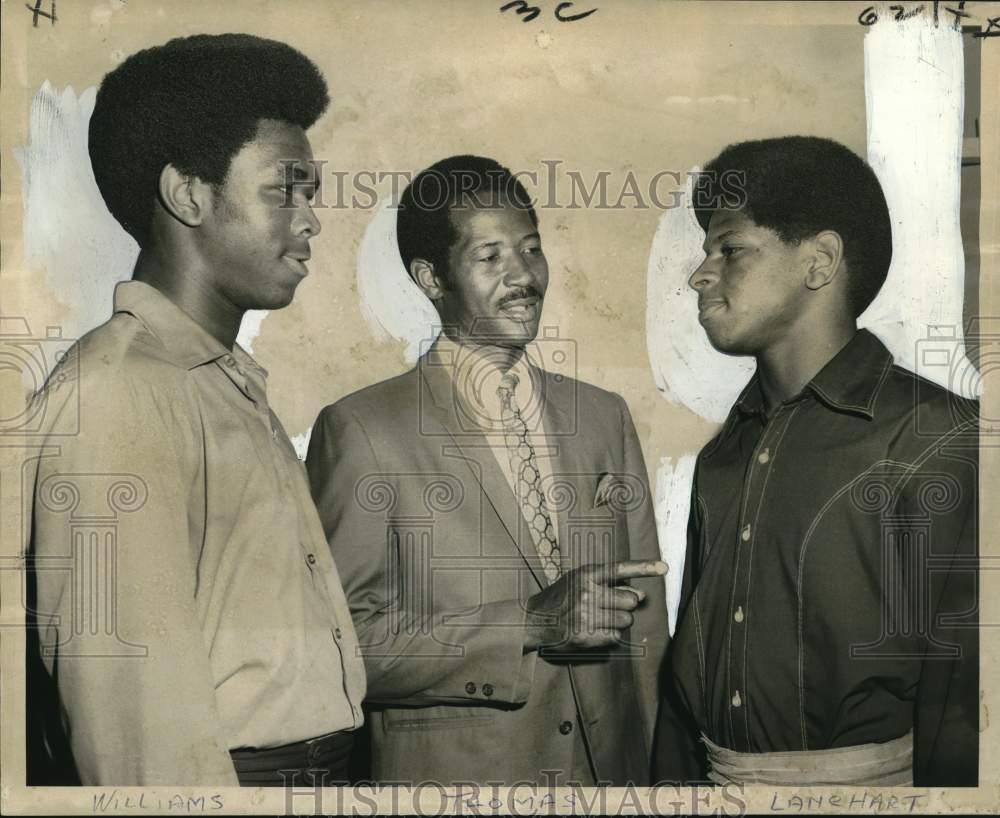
(606, 485)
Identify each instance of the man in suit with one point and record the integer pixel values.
(483, 513)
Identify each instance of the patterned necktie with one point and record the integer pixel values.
(524, 467)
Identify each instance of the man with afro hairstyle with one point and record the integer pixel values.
(223, 651)
(827, 632)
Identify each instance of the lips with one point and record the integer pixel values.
(708, 306)
(298, 262)
(522, 309)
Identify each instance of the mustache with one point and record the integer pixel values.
(520, 293)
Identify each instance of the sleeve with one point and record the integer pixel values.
(693, 557)
(404, 639)
(116, 575)
(678, 755)
(945, 491)
(650, 629)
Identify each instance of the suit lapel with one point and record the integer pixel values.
(440, 403)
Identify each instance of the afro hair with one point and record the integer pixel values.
(192, 103)
(799, 186)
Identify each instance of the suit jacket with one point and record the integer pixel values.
(437, 562)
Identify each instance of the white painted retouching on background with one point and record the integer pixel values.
(915, 97)
(392, 304)
(68, 232)
(686, 369)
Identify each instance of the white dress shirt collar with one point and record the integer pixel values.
(476, 373)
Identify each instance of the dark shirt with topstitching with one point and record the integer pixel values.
(830, 586)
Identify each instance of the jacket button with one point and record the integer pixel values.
(487, 690)
(470, 688)
(566, 728)
(311, 559)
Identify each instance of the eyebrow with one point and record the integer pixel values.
(300, 178)
(300, 173)
(720, 237)
(482, 245)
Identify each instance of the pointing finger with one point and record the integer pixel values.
(634, 569)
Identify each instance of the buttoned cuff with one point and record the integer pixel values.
(508, 672)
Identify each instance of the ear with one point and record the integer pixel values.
(186, 198)
(422, 272)
(827, 253)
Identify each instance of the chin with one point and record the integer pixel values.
(727, 345)
(504, 332)
(520, 338)
(276, 300)
(270, 303)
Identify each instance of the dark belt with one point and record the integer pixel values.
(314, 762)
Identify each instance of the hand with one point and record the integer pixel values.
(583, 609)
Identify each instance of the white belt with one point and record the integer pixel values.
(889, 764)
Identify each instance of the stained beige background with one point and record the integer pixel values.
(414, 82)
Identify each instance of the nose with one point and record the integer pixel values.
(305, 222)
(703, 275)
(522, 271)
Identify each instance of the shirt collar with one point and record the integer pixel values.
(475, 379)
(184, 341)
(849, 382)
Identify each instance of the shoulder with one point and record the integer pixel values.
(116, 379)
(570, 392)
(919, 410)
(386, 402)
(119, 354)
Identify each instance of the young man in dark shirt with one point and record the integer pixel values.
(827, 632)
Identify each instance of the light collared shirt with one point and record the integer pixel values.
(476, 373)
(197, 606)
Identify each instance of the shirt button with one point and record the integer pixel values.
(487, 690)
(311, 559)
(470, 688)
(745, 536)
(764, 456)
(738, 616)
(566, 728)
(736, 700)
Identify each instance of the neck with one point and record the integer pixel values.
(503, 357)
(785, 367)
(172, 273)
